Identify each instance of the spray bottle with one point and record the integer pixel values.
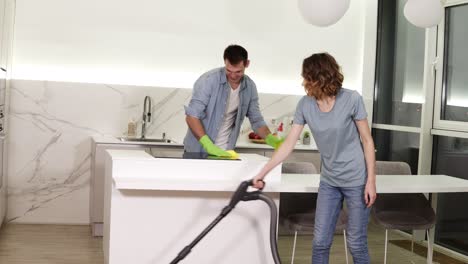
(280, 132)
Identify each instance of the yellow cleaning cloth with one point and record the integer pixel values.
(234, 154)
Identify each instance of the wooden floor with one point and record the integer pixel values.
(399, 249)
(61, 244)
(51, 244)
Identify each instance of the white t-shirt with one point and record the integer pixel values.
(229, 118)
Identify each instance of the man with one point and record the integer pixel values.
(221, 99)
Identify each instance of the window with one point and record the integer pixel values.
(451, 104)
(397, 146)
(399, 68)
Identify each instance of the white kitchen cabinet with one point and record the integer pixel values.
(3, 200)
(96, 206)
(6, 30)
(7, 9)
(2, 33)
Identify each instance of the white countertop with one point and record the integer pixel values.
(136, 169)
(114, 140)
(306, 183)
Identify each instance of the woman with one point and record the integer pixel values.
(338, 121)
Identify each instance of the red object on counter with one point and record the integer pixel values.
(280, 128)
(253, 135)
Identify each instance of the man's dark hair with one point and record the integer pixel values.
(236, 54)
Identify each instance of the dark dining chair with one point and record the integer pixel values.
(402, 211)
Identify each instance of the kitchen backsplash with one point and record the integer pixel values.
(50, 147)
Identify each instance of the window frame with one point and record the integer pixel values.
(439, 65)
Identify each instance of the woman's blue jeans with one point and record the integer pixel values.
(329, 204)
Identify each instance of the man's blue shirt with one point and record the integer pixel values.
(208, 103)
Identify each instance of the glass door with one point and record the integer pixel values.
(451, 100)
(450, 158)
(398, 91)
(450, 124)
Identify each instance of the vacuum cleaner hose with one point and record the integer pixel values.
(241, 194)
(273, 226)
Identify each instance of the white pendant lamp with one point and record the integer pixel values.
(423, 13)
(323, 13)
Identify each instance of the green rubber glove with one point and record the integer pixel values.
(211, 148)
(274, 141)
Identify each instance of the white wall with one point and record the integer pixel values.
(61, 46)
(170, 43)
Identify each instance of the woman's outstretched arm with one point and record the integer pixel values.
(281, 154)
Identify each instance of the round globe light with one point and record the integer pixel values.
(423, 13)
(323, 13)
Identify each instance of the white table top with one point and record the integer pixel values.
(385, 183)
(136, 169)
(301, 183)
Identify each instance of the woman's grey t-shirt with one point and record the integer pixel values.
(337, 137)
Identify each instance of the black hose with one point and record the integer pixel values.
(186, 250)
(273, 226)
(240, 194)
(258, 195)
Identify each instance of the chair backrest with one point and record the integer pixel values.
(308, 157)
(392, 168)
(293, 203)
(299, 167)
(391, 200)
(392, 210)
(299, 208)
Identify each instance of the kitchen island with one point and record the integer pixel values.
(100, 144)
(154, 207)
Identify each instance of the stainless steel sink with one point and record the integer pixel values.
(154, 140)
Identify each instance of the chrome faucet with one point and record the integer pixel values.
(146, 115)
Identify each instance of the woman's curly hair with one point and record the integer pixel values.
(322, 75)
